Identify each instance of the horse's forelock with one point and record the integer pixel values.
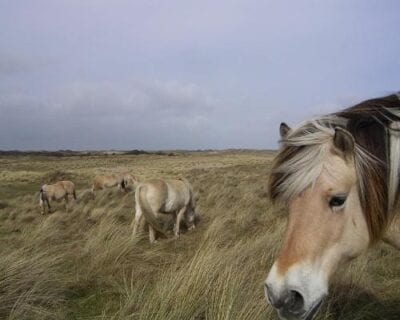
(299, 161)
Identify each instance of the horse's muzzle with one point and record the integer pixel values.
(290, 305)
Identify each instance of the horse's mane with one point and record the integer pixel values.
(374, 125)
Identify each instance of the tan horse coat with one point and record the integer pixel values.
(157, 197)
(106, 181)
(56, 191)
(122, 180)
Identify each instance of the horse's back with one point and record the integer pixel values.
(105, 181)
(68, 186)
(180, 191)
(61, 188)
(57, 190)
(155, 192)
(165, 195)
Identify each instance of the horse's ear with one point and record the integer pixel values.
(344, 141)
(284, 130)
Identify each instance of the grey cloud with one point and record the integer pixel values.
(107, 114)
(21, 105)
(10, 65)
(114, 99)
(16, 64)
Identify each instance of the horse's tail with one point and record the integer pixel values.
(143, 205)
(43, 199)
(74, 194)
(190, 188)
(192, 199)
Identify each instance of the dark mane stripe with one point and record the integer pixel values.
(370, 124)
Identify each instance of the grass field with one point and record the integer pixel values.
(80, 261)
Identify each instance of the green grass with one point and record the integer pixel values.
(80, 262)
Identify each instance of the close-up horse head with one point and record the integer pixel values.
(338, 176)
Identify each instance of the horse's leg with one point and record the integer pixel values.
(152, 234)
(41, 204)
(136, 220)
(66, 202)
(48, 205)
(178, 221)
(392, 235)
(174, 215)
(152, 230)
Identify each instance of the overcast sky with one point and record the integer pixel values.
(135, 74)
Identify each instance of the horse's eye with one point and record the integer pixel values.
(337, 201)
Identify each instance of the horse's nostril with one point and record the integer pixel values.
(295, 301)
(276, 301)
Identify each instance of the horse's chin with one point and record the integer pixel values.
(313, 310)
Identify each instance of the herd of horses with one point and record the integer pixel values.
(339, 177)
(153, 198)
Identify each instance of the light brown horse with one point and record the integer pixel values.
(339, 176)
(157, 197)
(122, 180)
(56, 191)
(129, 181)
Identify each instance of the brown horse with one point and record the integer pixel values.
(122, 180)
(56, 191)
(157, 197)
(339, 176)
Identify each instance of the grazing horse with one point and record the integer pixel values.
(108, 181)
(56, 191)
(129, 181)
(157, 197)
(339, 177)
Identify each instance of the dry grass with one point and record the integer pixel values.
(80, 262)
